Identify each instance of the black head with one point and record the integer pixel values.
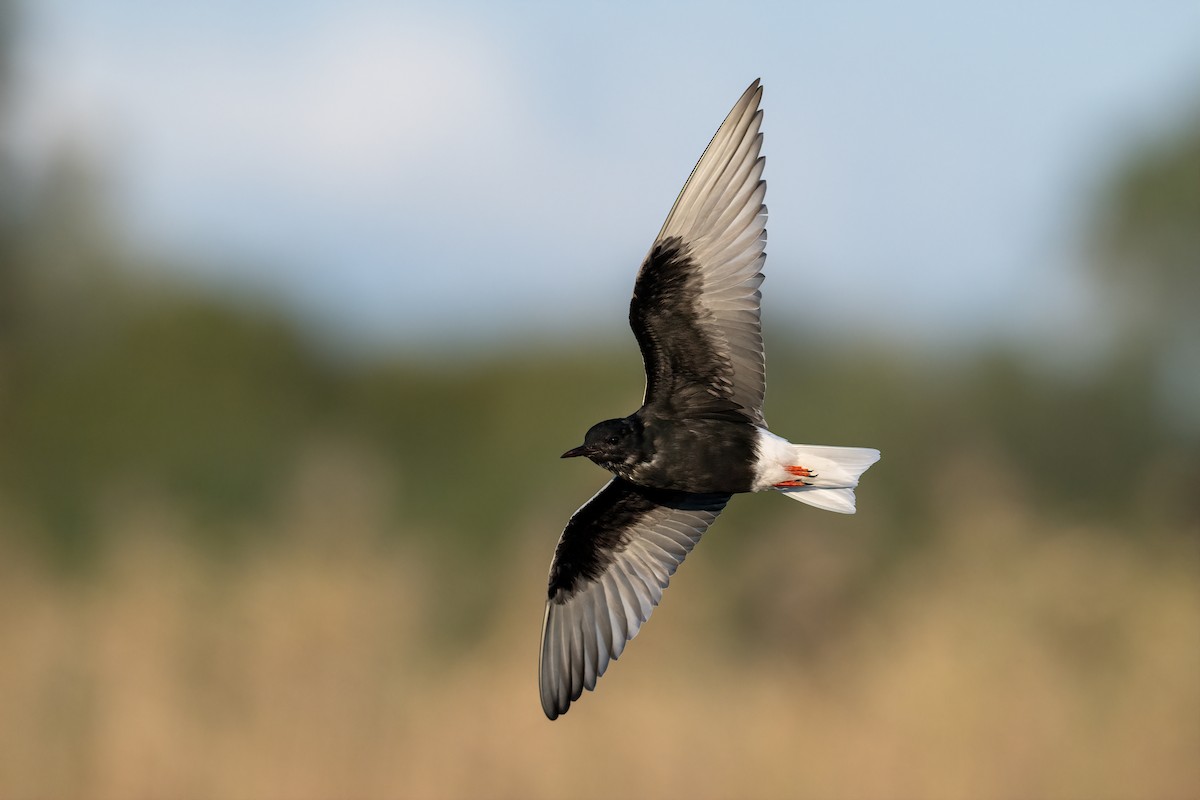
(614, 441)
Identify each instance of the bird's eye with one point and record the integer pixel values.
(613, 439)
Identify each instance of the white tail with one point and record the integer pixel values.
(835, 471)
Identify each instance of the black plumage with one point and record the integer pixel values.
(686, 375)
(602, 528)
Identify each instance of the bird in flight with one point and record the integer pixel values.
(699, 437)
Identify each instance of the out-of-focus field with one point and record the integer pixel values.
(237, 562)
(266, 575)
(1016, 657)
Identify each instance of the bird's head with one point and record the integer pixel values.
(610, 443)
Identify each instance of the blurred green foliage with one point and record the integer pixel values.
(112, 376)
(112, 379)
(1145, 249)
(1146, 232)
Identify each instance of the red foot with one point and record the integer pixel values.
(799, 472)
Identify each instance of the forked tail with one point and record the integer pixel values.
(834, 472)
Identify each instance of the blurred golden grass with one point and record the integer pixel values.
(1015, 657)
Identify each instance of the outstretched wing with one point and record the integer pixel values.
(612, 563)
(695, 308)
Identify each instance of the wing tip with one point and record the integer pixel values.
(752, 97)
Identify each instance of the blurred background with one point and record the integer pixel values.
(300, 302)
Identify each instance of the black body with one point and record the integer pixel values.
(689, 435)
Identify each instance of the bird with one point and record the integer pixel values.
(699, 437)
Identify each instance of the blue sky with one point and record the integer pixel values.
(412, 173)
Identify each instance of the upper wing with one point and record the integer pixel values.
(613, 561)
(695, 308)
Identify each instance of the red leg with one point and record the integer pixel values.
(799, 472)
